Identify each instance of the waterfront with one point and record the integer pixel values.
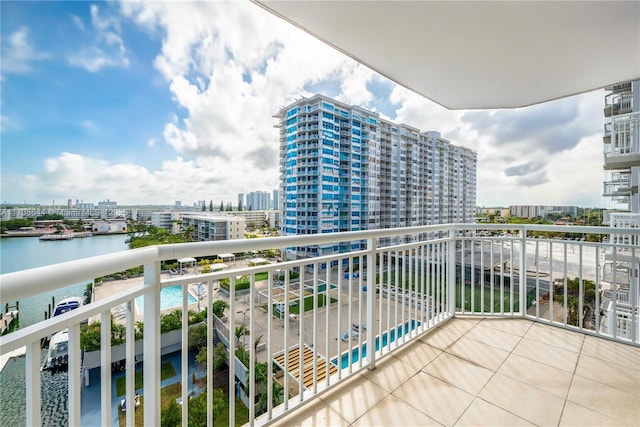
(22, 253)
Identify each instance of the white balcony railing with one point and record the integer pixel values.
(323, 319)
(625, 136)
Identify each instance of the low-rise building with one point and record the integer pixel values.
(214, 227)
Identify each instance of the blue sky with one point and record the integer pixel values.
(163, 101)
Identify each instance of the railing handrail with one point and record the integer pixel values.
(20, 284)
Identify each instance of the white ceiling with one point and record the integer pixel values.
(481, 54)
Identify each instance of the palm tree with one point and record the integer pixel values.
(241, 330)
(277, 396)
(573, 299)
(187, 233)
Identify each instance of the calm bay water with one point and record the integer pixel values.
(21, 253)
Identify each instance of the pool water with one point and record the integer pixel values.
(387, 338)
(170, 297)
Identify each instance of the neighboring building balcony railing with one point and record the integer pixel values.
(324, 319)
(623, 151)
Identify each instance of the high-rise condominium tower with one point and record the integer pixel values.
(343, 168)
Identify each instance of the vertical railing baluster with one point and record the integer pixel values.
(371, 283)
(151, 343)
(451, 263)
(33, 384)
(537, 264)
(522, 265)
(564, 282)
(327, 315)
(130, 367)
(75, 371)
(287, 379)
(105, 367)
(270, 347)
(252, 352)
(232, 351)
(598, 289)
(184, 356)
(314, 322)
(551, 279)
(210, 336)
(580, 289)
(482, 284)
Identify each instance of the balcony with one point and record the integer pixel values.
(463, 328)
(623, 151)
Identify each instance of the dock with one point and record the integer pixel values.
(8, 320)
(66, 236)
(4, 359)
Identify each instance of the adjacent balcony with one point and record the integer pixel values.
(623, 151)
(451, 325)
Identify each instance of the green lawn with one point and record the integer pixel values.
(245, 281)
(308, 305)
(477, 295)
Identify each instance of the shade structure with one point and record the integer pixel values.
(481, 54)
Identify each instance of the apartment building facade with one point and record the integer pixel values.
(214, 227)
(622, 179)
(344, 168)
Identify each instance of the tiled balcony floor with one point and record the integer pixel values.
(479, 372)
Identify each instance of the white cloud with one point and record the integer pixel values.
(231, 66)
(8, 124)
(76, 176)
(230, 83)
(106, 48)
(18, 54)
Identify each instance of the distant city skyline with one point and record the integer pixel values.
(122, 101)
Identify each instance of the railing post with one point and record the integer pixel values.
(451, 274)
(522, 279)
(151, 343)
(371, 295)
(105, 367)
(74, 371)
(32, 372)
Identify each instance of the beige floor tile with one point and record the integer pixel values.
(547, 354)
(390, 373)
(434, 397)
(442, 337)
(482, 413)
(417, 354)
(470, 319)
(493, 337)
(576, 415)
(314, 414)
(613, 375)
(479, 353)
(459, 373)
(522, 400)
(605, 400)
(556, 337)
(612, 352)
(354, 398)
(545, 377)
(513, 326)
(394, 412)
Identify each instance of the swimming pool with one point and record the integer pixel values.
(169, 298)
(387, 338)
